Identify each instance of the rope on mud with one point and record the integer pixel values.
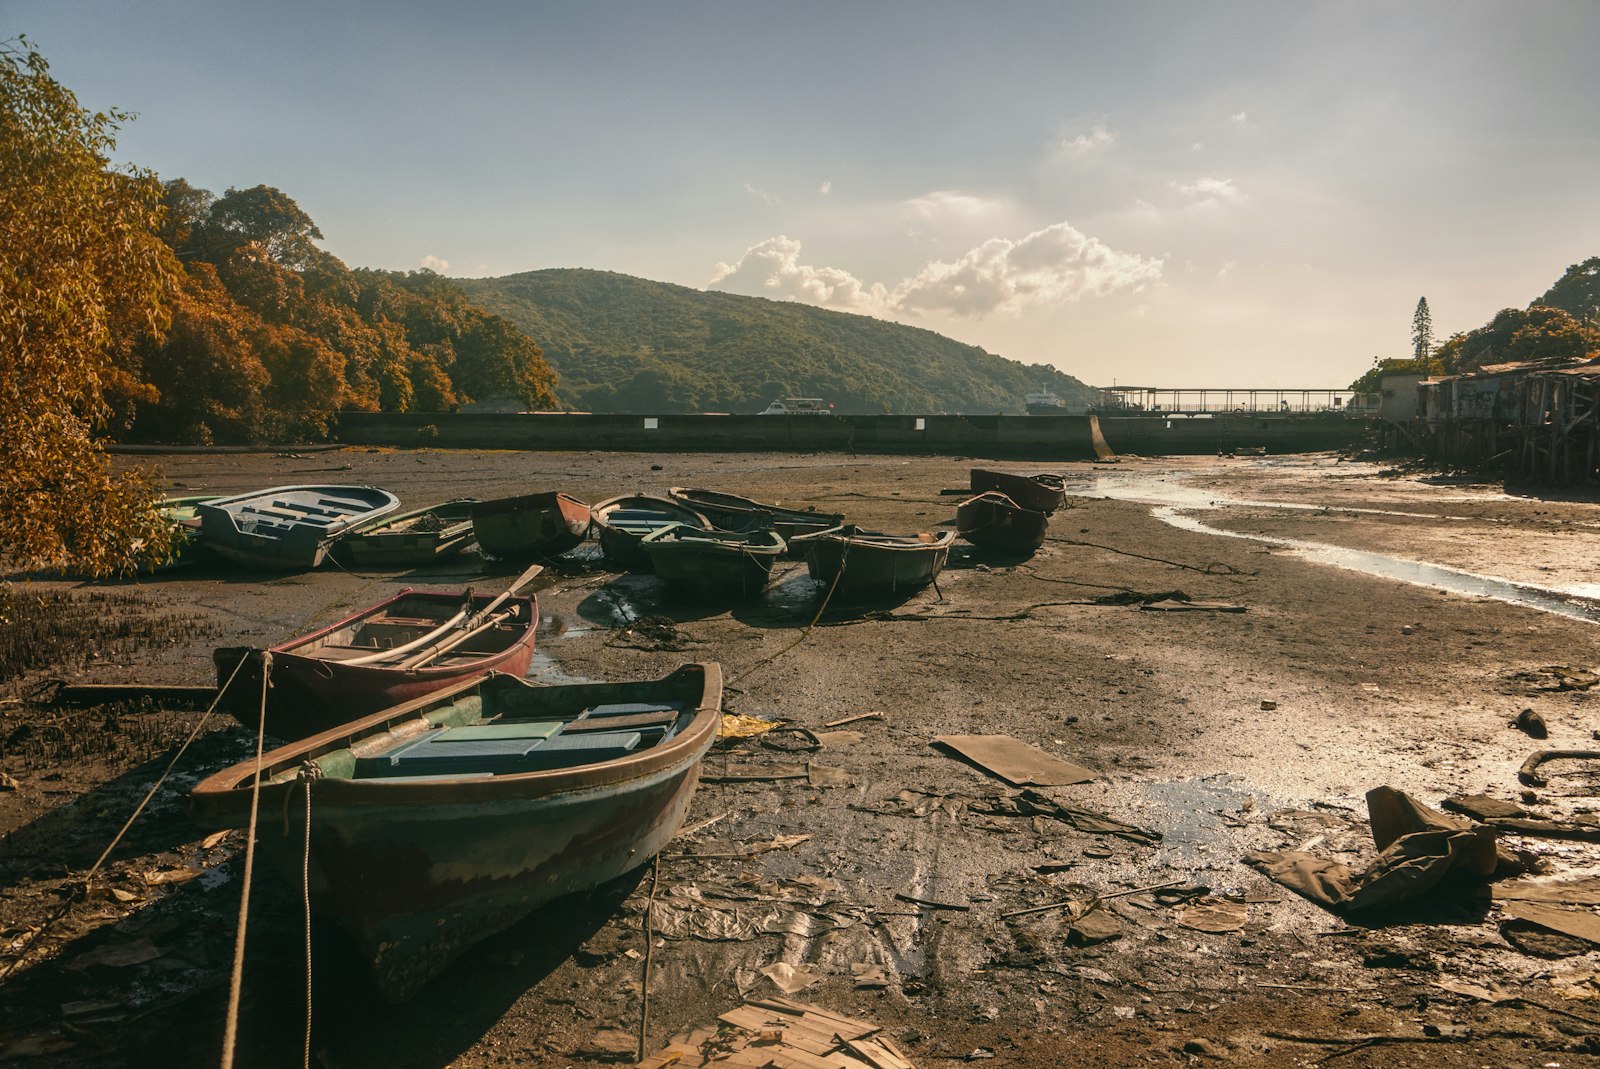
(67, 905)
(230, 1029)
(649, 945)
(844, 558)
(306, 776)
(1214, 568)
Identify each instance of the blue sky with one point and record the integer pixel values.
(1168, 194)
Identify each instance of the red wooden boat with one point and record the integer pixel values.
(994, 522)
(401, 649)
(1041, 493)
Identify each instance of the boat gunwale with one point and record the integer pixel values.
(611, 504)
(671, 539)
(873, 539)
(496, 506)
(290, 645)
(737, 503)
(376, 527)
(226, 790)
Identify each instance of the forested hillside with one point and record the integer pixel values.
(269, 336)
(627, 344)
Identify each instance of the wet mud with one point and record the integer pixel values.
(1223, 733)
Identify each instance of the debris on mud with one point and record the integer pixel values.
(783, 1035)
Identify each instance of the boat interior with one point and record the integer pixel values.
(641, 520)
(505, 727)
(291, 510)
(401, 623)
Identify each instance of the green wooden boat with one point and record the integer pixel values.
(415, 537)
(623, 522)
(714, 563)
(856, 563)
(530, 527)
(437, 823)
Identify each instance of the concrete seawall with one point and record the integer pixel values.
(1038, 437)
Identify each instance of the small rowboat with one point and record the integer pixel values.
(731, 512)
(531, 527)
(624, 522)
(402, 648)
(994, 522)
(1041, 493)
(415, 537)
(436, 824)
(288, 527)
(857, 563)
(714, 563)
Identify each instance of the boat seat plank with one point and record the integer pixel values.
(521, 729)
(433, 755)
(586, 725)
(630, 709)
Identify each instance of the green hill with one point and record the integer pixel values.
(626, 344)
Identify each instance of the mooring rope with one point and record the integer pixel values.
(844, 558)
(67, 905)
(307, 775)
(230, 1030)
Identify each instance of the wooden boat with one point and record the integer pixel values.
(288, 527)
(414, 537)
(530, 527)
(853, 562)
(623, 523)
(436, 824)
(731, 512)
(714, 563)
(1041, 493)
(404, 647)
(994, 522)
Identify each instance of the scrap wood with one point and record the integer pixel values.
(1578, 925)
(1014, 761)
(1546, 829)
(1192, 606)
(1529, 775)
(749, 773)
(1034, 803)
(1093, 898)
(782, 842)
(876, 714)
(167, 696)
(1583, 892)
(931, 904)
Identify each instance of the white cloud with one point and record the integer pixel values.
(825, 189)
(952, 205)
(435, 263)
(761, 195)
(773, 269)
(1239, 118)
(1098, 137)
(1056, 265)
(1210, 192)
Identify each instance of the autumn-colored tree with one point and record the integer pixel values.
(82, 272)
(1537, 334)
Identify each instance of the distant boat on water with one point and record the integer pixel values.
(1045, 404)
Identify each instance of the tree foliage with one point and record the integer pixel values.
(628, 344)
(1537, 335)
(1422, 332)
(271, 336)
(82, 272)
(1577, 292)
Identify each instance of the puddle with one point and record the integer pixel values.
(543, 668)
(1194, 817)
(1174, 501)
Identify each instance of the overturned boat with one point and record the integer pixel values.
(530, 527)
(288, 527)
(441, 822)
(857, 563)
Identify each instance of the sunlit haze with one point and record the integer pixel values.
(1224, 194)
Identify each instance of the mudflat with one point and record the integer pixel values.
(1212, 734)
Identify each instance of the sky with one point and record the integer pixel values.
(1172, 194)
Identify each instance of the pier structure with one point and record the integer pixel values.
(1129, 400)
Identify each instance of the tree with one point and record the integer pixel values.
(1422, 333)
(267, 217)
(82, 272)
(1577, 292)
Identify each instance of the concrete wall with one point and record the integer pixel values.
(1036, 437)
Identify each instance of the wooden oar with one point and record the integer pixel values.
(417, 643)
(449, 644)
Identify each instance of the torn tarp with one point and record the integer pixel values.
(1419, 847)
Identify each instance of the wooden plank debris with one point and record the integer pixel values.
(1016, 762)
(165, 695)
(777, 1033)
(1585, 926)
